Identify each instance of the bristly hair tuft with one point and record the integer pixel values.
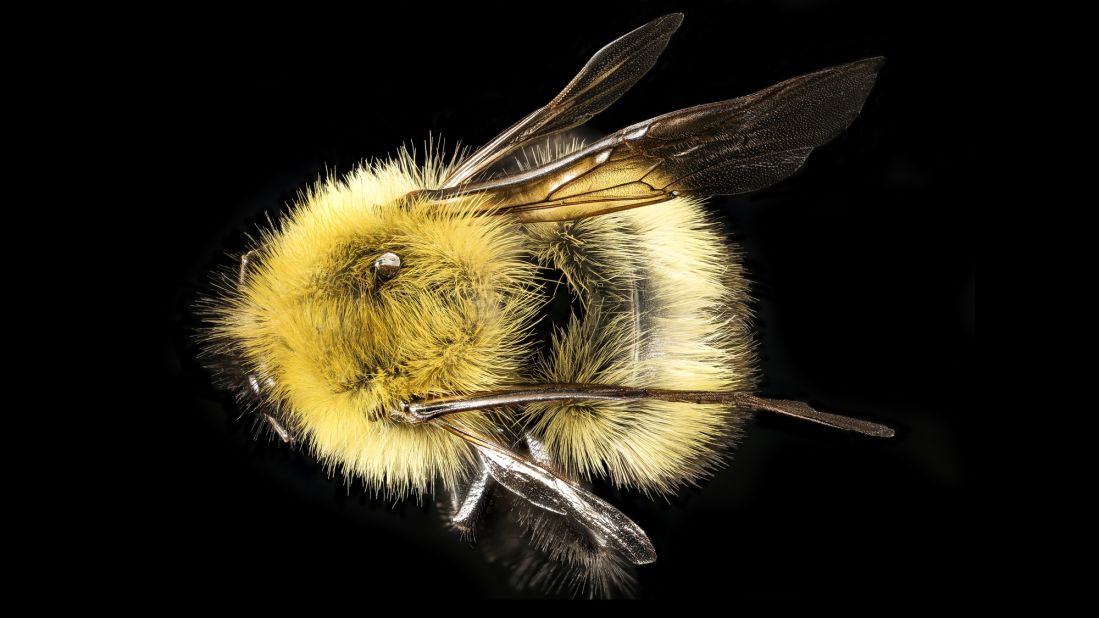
(337, 346)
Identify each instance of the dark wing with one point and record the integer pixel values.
(607, 76)
(723, 148)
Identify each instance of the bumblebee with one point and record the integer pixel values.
(386, 322)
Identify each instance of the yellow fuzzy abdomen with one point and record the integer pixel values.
(664, 305)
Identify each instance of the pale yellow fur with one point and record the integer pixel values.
(663, 306)
(343, 348)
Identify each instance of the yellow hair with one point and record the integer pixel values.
(342, 347)
(663, 305)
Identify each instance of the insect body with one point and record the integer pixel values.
(385, 323)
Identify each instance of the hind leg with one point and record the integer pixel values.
(465, 507)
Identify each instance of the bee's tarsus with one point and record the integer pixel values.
(279, 430)
(253, 384)
(245, 264)
(465, 512)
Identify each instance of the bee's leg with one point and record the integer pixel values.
(277, 427)
(253, 382)
(542, 457)
(245, 263)
(465, 508)
(538, 452)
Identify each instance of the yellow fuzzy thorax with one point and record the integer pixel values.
(340, 346)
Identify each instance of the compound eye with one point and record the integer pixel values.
(388, 265)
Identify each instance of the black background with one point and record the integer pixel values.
(863, 265)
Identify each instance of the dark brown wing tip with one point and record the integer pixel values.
(870, 67)
(867, 68)
(671, 21)
(660, 29)
(875, 63)
(883, 431)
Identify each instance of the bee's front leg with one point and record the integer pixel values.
(275, 424)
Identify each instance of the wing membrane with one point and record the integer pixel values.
(607, 76)
(729, 147)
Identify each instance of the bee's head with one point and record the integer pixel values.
(360, 299)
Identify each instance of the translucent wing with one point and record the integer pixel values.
(724, 148)
(544, 489)
(607, 76)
